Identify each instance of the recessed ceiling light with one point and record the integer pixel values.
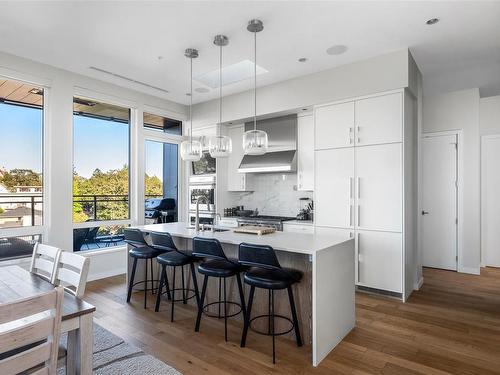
(336, 50)
(304, 109)
(201, 90)
(160, 57)
(302, 59)
(432, 21)
(188, 94)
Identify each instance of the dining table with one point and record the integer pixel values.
(77, 315)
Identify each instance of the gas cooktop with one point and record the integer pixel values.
(267, 217)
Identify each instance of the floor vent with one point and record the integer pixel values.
(128, 79)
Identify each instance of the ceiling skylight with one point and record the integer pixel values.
(230, 74)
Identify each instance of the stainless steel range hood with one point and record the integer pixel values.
(280, 157)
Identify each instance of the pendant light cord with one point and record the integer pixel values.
(191, 105)
(220, 92)
(255, 81)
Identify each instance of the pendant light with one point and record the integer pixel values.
(220, 146)
(255, 141)
(191, 149)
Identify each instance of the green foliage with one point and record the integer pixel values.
(1, 210)
(112, 184)
(20, 177)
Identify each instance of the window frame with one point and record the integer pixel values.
(44, 84)
(109, 99)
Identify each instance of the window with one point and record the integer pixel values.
(163, 124)
(161, 180)
(100, 161)
(17, 247)
(98, 237)
(21, 161)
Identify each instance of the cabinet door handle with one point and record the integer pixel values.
(358, 183)
(349, 135)
(350, 187)
(356, 244)
(350, 214)
(359, 214)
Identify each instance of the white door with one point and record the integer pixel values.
(439, 202)
(305, 148)
(334, 126)
(379, 120)
(379, 187)
(334, 174)
(379, 260)
(490, 200)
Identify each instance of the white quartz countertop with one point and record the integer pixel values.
(302, 243)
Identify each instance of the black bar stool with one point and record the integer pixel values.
(216, 265)
(173, 258)
(140, 250)
(267, 273)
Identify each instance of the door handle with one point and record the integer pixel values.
(425, 212)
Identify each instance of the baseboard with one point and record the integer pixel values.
(470, 270)
(419, 284)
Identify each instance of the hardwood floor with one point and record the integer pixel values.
(452, 325)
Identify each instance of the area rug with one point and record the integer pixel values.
(113, 356)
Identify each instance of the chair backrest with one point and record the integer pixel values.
(162, 241)
(258, 256)
(134, 237)
(71, 273)
(29, 333)
(44, 260)
(208, 247)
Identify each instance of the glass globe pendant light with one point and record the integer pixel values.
(255, 141)
(191, 150)
(220, 146)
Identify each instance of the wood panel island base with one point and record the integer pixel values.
(324, 297)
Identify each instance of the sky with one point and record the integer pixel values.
(97, 143)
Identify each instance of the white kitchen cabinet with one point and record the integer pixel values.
(379, 263)
(334, 126)
(203, 134)
(359, 185)
(305, 150)
(379, 119)
(378, 187)
(236, 181)
(296, 227)
(334, 188)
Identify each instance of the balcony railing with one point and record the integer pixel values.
(96, 207)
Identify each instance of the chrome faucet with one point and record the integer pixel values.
(197, 219)
(217, 215)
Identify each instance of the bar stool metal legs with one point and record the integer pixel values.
(131, 283)
(271, 319)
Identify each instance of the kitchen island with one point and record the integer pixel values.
(325, 295)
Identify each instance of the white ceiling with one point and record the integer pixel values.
(126, 38)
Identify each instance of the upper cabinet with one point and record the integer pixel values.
(236, 181)
(334, 126)
(378, 119)
(305, 150)
(369, 121)
(204, 134)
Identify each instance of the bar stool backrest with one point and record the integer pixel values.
(163, 241)
(134, 237)
(262, 256)
(208, 247)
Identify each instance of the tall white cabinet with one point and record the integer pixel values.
(364, 152)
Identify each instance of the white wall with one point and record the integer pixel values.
(381, 73)
(58, 148)
(453, 111)
(489, 115)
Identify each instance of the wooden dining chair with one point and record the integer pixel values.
(44, 260)
(71, 273)
(29, 334)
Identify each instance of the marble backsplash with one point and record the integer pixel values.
(274, 194)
